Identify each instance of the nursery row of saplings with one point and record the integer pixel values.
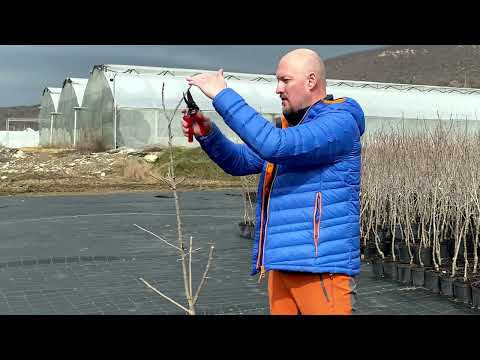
(420, 207)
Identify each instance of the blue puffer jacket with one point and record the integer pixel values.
(311, 222)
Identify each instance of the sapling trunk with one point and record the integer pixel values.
(171, 180)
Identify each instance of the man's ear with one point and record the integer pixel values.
(311, 80)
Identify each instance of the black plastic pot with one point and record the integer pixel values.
(446, 286)
(403, 254)
(397, 251)
(370, 250)
(418, 276)
(246, 230)
(462, 291)
(476, 296)
(398, 234)
(377, 265)
(444, 250)
(425, 255)
(382, 235)
(384, 243)
(386, 247)
(414, 250)
(404, 273)
(390, 270)
(415, 230)
(432, 281)
(452, 249)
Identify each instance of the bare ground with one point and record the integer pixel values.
(39, 171)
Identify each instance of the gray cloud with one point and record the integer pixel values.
(26, 70)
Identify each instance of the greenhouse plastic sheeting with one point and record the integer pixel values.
(48, 105)
(133, 96)
(138, 109)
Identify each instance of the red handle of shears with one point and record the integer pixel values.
(190, 119)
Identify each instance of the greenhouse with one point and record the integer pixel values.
(48, 113)
(65, 124)
(415, 107)
(122, 104)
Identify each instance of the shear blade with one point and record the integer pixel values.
(189, 100)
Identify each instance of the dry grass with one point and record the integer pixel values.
(139, 170)
(91, 146)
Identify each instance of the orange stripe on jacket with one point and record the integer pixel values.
(267, 184)
(337, 101)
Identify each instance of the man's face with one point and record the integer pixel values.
(292, 87)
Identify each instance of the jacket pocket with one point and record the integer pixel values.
(317, 215)
(324, 289)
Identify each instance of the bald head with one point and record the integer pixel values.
(305, 61)
(301, 79)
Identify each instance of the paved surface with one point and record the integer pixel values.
(83, 255)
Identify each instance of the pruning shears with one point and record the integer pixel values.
(192, 115)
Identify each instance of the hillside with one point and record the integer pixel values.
(441, 65)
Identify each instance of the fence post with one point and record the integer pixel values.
(74, 127)
(7, 127)
(75, 109)
(155, 112)
(51, 128)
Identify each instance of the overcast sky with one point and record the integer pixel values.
(26, 70)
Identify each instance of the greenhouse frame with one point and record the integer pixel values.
(388, 106)
(65, 124)
(121, 105)
(48, 113)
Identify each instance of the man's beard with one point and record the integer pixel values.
(287, 112)
(290, 111)
(294, 117)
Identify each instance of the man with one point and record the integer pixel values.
(307, 216)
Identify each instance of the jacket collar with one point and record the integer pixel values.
(299, 116)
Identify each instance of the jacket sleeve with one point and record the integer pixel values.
(320, 141)
(234, 159)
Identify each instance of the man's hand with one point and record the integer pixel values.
(204, 121)
(210, 84)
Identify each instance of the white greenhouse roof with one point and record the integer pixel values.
(52, 90)
(401, 87)
(410, 101)
(78, 85)
(180, 72)
(54, 93)
(141, 87)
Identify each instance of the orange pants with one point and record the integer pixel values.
(291, 293)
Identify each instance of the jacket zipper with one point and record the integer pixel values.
(263, 234)
(262, 254)
(317, 216)
(262, 227)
